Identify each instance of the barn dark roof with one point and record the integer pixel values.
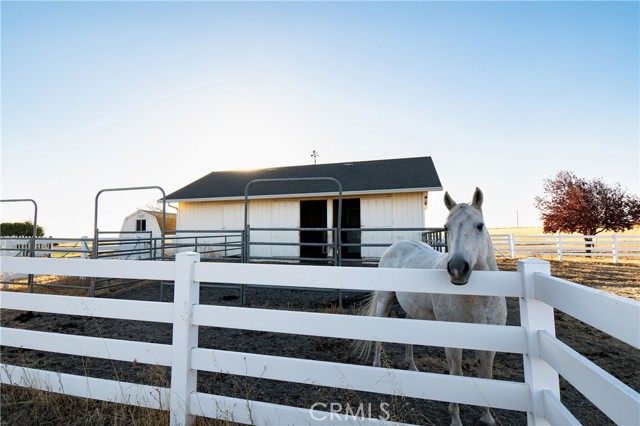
(395, 175)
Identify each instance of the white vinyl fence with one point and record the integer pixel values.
(560, 245)
(544, 356)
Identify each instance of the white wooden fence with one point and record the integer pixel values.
(544, 356)
(22, 246)
(560, 245)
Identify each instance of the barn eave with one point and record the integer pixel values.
(308, 195)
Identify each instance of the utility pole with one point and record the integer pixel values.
(315, 155)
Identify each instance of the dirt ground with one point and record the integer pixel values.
(614, 356)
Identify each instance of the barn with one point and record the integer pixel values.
(140, 236)
(391, 193)
(147, 221)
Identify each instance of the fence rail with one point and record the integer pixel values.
(544, 355)
(283, 244)
(612, 246)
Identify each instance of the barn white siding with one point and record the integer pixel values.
(209, 216)
(391, 211)
(409, 213)
(376, 213)
(229, 215)
(274, 214)
(285, 214)
(404, 210)
(193, 216)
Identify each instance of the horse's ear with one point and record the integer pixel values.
(477, 199)
(448, 201)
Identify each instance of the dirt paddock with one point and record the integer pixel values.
(21, 408)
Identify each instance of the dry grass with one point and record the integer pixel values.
(70, 286)
(27, 407)
(67, 286)
(620, 279)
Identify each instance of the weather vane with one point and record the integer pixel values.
(315, 155)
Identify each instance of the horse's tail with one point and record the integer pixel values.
(362, 348)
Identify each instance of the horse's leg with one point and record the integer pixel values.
(408, 355)
(384, 300)
(486, 372)
(376, 357)
(454, 360)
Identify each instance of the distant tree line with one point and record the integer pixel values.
(19, 229)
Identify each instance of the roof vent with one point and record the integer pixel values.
(348, 164)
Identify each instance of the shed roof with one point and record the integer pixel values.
(416, 174)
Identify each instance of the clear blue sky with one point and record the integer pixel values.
(501, 94)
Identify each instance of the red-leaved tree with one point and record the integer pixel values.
(572, 204)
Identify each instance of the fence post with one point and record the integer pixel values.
(614, 248)
(84, 246)
(535, 316)
(512, 246)
(559, 248)
(185, 338)
(247, 244)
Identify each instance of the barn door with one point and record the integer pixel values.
(313, 214)
(351, 222)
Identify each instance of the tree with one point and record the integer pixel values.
(572, 204)
(20, 229)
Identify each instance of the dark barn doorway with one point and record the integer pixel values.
(313, 214)
(350, 220)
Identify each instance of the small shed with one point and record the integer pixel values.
(147, 221)
(389, 193)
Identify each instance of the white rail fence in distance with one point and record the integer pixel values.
(613, 246)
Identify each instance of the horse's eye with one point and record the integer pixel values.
(480, 227)
(446, 229)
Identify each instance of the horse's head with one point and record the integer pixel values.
(467, 237)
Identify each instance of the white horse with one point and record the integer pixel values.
(469, 248)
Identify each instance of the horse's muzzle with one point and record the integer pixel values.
(459, 271)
